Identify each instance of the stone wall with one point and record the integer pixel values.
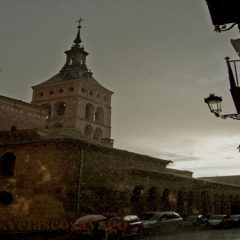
(60, 179)
(179, 172)
(17, 114)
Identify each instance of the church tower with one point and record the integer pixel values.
(75, 100)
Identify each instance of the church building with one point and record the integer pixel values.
(72, 99)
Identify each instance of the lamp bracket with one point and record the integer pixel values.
(223, 28)
(235, 116)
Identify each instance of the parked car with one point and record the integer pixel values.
(220, 221)
(159, 222)
(115, 227)
(235, 220)
(123, 227)
(195, 221)
(83, 227)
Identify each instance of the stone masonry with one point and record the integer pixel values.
(16, 114)
(78, 178)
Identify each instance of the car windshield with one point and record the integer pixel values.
(235, 217)
(216, 217)
(149, 216)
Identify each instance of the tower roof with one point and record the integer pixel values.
(75, 66)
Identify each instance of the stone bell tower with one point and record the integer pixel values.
(75, 100)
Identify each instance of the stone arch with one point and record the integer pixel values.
(88, 131)
(237, 204)
(99, 115)
(224, 204)
(235, 209)
(166, 199)
(89, 112)
(98, 134)
(217, 203)
(59, 108)
(205, 202)
(152, 199)
(228, 204)
(231, 202)
(137, 199)
(47, 107)
(182, 199)
(191, 206)
(7, 164)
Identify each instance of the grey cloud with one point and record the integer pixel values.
(178, 157)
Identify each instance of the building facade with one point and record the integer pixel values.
(46, 180)
(16, 114)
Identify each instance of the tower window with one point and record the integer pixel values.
(60, 90)
(71, 89)
(48, 109)
(88, 131)
(91, 93)
(60, 108)
(51, 92)
(89, 114)
(84, 90)
(7, 164)
(98, 134)
(40, 94)
(99, 116)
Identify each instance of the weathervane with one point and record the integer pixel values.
(79, 22)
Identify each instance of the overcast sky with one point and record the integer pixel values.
(160, 57)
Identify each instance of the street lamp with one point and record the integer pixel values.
(214, 102)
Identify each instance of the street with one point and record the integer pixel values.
(208, 234)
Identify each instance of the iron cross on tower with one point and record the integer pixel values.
(79, 22)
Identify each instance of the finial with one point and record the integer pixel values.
(79, 22)
(227, 59)
(78, 40)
